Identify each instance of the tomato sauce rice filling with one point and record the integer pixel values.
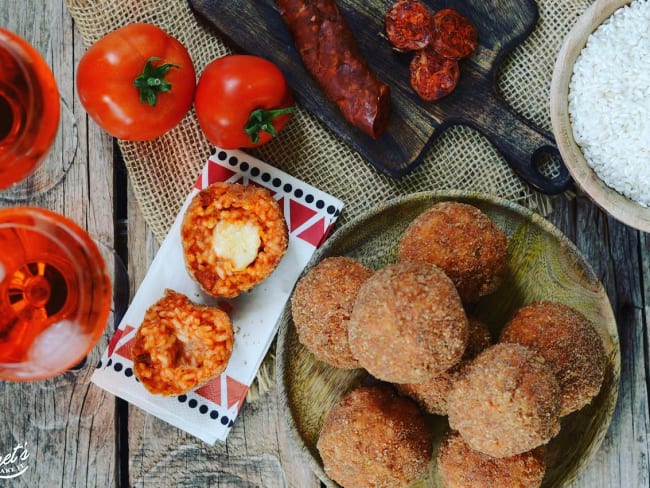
(181, 345)
(233, 237)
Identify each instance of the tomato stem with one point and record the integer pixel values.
(151, 81)
(262, 119)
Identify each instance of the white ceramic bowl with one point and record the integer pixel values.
(620, 207)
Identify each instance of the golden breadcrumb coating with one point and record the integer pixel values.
(460, 466)
(570, 345)
(408, 323)
(506, 401)
(462, 241)
(321, 306)
(432, 395)
(373, 437)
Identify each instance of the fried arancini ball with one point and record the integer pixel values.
(568, 342)
(181, 345)
(321, 306)
(407, 323)
(432, 394)
(479, 338)
(233, 237)
(373, 437)
(462, 241)
(460, 466)
(506, 401)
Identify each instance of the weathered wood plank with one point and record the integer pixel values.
(256, 453)
(142, 244)
(619, 256)
(67, 423)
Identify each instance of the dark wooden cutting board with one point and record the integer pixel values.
(256, 27)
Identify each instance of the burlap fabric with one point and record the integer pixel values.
(163, 171)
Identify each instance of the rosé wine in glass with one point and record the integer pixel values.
(29, 112)
(55, 294)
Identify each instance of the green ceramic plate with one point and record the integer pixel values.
(543, 264)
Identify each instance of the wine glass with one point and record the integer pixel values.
(30, 112)
(55, 294)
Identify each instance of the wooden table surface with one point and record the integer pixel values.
(77, 435)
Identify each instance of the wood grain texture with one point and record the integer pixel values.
(620, 257)
(414, 124)
(624, 209)
(67, 423)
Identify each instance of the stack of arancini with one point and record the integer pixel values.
(432, 394)
(406, 324)
(570, 345)
(507, 404)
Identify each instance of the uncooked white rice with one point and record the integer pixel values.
(609, 101)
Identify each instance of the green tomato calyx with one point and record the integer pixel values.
(151, 81)
(262, 119)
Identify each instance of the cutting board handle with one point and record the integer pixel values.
(524, 147)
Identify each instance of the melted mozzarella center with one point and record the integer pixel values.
(238, 243)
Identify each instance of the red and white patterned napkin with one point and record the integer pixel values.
(210, 411)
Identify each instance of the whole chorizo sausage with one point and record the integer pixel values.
(454, 36)
(432, 76)
(408, 25)
(330, 54)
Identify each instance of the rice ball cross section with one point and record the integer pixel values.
(233, 237)
(181, 345)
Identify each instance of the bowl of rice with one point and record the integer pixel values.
(600, 107)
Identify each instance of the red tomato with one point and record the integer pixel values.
(137, 82)
(242, 101)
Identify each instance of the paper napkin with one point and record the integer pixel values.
(210, 411)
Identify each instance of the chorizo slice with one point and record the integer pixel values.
(408, 25)
(331, 55)
(433, 76)
(454, 36)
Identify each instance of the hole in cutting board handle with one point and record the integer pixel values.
(551, 174)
